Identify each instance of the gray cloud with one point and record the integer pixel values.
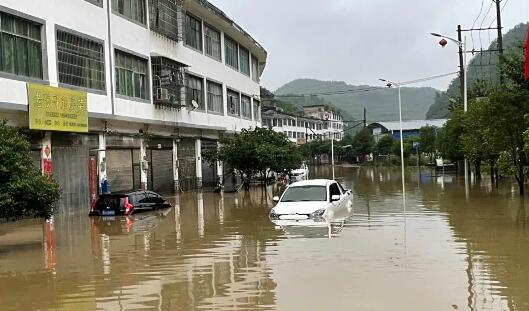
(361, 41)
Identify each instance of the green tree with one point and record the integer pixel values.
(363, 143)
(449, 137)
(24, 192)
(384, 145)
(257, 150)
(428, 140)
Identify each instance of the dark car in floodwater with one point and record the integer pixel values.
(127, 203)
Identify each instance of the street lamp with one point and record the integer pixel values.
(398, 85)
(462, 47)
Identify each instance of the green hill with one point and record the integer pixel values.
(381, 104)
(483, 67)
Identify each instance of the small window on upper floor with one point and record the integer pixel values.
(193, 32)
(246, 107)
(20, 46)
(133, 9)
(96, 2)
(131, 75)
(232, 52)
(212, 42)
(163, 18)
(234, 105)
(195, 91)
(244, 60)
(257, 111)
(255, 69)
(81, 61)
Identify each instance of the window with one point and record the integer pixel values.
(81, 61)
(215, 97)
(20, 46)
(194, 91)
(246, 107)
(96, 2)
(193, 32)
(164, 18)
(167, 81)
(233, 103)
(212, 42)
(133, 9)
(244, 59)
(232, 52)
(255, 69)
(131, 75)
(305, 193)
(257, 110)
(334, 190)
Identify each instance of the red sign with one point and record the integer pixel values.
(47, 167)
(47, 151)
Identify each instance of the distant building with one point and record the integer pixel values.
(333, 125)
(409, 128)
(298, 129)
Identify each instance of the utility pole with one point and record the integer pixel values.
(500, 38)
(462, 72)
(365, 117)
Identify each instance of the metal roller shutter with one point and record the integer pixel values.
(119, 169)
(187, 164)
(70, 169)
(162, 171)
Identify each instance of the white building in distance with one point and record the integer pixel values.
(126, 93)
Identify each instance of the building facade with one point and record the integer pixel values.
(124, 94)
(302, 129)
(410, 128)
(333, 123)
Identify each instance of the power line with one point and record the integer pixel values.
(474, 23)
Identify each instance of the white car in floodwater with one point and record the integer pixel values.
(318, 199)
(301, 173)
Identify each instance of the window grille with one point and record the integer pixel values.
(215, 102)
(133, 9)
(165, 18)
(20, 46)
(232, 52)
(168, 82)
(234, 108)
(131, 75)
(194, 91)
(81, 61)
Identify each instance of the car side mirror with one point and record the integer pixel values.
(275, 199)
(335, 198)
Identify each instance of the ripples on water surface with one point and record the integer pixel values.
(212, 252)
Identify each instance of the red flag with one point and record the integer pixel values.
(527, 56)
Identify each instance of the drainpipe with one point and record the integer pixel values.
(110, 56)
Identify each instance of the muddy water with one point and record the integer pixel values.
(212, 252)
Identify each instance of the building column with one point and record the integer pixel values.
(144, 165)
(102, 164)
(46, 158)
(198, 158)
(176, 182)
(220, 168)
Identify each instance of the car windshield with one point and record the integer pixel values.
(305, 193)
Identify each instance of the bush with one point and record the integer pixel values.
(24, 191)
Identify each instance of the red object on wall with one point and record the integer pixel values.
(527, 56)
(47, 167)
(50, 245)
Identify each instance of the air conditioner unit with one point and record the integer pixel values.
(162, 95)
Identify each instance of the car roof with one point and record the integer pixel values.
(312, 182)
(125, 192)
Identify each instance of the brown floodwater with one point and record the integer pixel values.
(438, 251)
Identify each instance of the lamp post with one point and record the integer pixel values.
(398, 85)
(462, 47)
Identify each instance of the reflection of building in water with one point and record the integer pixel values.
(190, 260)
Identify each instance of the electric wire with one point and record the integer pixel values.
(474, 23)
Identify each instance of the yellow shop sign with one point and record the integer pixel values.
(57, 109)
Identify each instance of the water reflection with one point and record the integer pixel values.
(221, 252)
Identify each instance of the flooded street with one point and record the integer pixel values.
(439, 251)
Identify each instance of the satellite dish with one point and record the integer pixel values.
(194, 104)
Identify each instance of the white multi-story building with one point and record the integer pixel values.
(333, 123)
(126, 91)
(302, 129)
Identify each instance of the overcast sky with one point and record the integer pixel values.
(359, 41)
